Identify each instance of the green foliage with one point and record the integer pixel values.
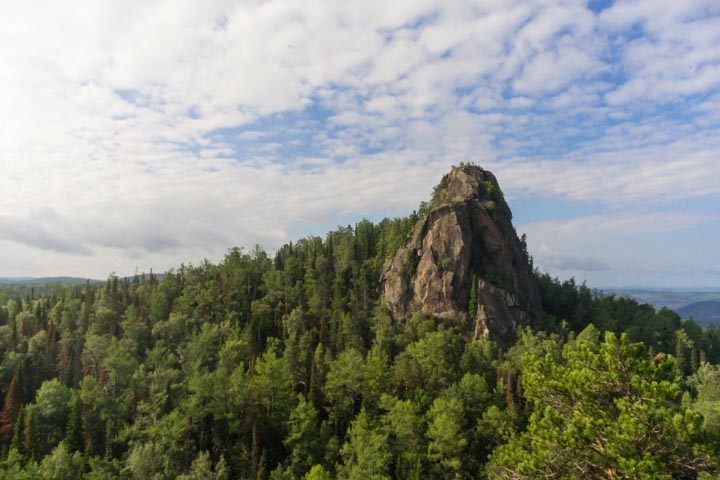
(604, 410)
(303, 440)
(439, 194)
(365, 455)
(428, 365)
(202, 469)
(498, 279)
(14, 467)
(343, 388)
(18, 440)
(405, 425)
(707, 402)
(62, 464)
(75, 439)
(446, 441)
(31, 437)
(145, 462)
(317, 472)
(473, 300)
(412, 260)
(289, 367)
(10, 412)
(52, 407)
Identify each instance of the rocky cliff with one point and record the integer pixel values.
(464, 262)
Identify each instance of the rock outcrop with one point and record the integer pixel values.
(464, 262)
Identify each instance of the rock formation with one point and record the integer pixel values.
(464, 260)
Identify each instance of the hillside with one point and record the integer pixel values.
(355, 356)
(705, 312)
(32, 287)
(672, 298)
(42, 280)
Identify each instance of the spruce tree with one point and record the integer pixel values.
(30, 434)
(75, 439)
(18, 440)
(10, 411)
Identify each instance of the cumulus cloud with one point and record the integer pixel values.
(614, 225)
(677, 55)
(627, 247)
(656, 173)
(33, 232)
(546, 258)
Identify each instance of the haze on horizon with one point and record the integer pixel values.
(146, 134)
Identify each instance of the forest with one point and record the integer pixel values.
(287, 366)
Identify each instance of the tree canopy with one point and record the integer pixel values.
(289, 367)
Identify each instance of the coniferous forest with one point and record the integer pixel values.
(288, 366)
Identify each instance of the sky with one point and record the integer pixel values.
(148, 134)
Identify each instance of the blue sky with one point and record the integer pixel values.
(145, 134)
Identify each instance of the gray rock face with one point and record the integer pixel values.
(466, 241)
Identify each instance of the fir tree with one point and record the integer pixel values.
(75, 439)
(32, 440)
(18, 440)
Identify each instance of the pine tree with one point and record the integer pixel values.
(365, 453)
(583, 408)
(303, 439)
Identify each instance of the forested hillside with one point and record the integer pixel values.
(707, 311)
(288, 366)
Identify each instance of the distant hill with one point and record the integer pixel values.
(42, 280)
(703, 312)
(14, 280)
(672, 298)
(31, 287)
(9, 281)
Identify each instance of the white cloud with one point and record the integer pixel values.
(549, 259)
(554, 70)
(614, 225)
(657, 173)
(677, 56)
(116, 119)
(626, 247)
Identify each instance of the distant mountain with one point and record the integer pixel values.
(43, 280)
(703, 312)
(672, 298)
(7, 280)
